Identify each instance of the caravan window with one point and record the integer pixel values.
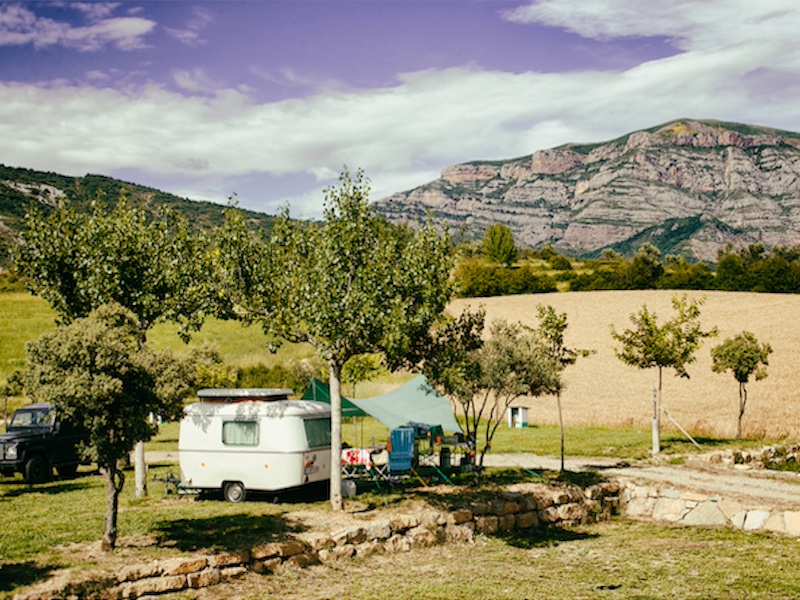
(318, 432)
(240, 433)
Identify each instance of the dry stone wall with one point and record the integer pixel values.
(671, 505)
(519, 507)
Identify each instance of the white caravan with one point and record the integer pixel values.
(253, 439)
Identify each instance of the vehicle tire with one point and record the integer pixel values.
(234, 491)
(67, 471)
(37, 470)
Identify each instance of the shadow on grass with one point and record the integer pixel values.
(56, 487)
(542, 538)
(16, 575)
(223, 533)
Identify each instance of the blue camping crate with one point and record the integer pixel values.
(402, 454)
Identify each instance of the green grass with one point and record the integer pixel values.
(612, 560)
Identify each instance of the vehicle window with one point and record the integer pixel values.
(318, 432)
(240, 433)
(30, 418)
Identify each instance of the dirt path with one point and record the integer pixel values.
(770, 488)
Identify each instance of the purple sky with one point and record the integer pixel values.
(269, 99)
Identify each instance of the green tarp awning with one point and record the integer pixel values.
(414, 403)
(321, 393)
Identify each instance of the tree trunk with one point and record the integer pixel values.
(561, 428)
(115, 480)
(742, 403)
(336, 434)
(658, 410)
(139, 471)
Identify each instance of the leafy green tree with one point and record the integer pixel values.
(679, 274)
(744, 356)
(362, 367)
(645, 268)
(483, 378)
(498, 244)
(350, 285)
(671, 345)
(153, 267)
(98, 375)
(552, 327)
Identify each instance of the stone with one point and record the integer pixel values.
(459, 516)
(705, 513)
(181, 566)
(269, 565)
(669, 509)
(755, 519)
(204, 578)
(487, 525)
(527, 520)
(398, 543)
(379, 531)
(227, 559)
(502, 508)
(737, 520)
(233, 572)
(368, 549)
(136, 572)
(572, 512)
(154, 585)
(404, 523)
(775, 523)
(420, 537)
(791, 521)
(693, 497)
(460, 533)
(507, 522)
(729, 508)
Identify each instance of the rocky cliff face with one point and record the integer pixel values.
(688, 187)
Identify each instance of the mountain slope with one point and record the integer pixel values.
(687, 186)
(20, 188)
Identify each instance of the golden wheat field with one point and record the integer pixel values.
(603, 391)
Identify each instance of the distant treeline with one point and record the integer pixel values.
(752, 269)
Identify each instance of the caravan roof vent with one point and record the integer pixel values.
(242, 394)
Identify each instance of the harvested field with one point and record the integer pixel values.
(603, 391)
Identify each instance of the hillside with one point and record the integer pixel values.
(687, 187)
(19, 188)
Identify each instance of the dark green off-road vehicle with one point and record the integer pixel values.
(36, 440)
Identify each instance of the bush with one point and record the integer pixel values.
(476, 279)
(560, 263)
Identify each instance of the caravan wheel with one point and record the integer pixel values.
(234, 491)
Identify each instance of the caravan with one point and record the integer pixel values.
(236, 440)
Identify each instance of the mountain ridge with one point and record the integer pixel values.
(21, 187)
(729, 182)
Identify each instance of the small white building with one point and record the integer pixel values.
(253, 439)
(517, 416)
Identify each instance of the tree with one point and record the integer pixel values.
(498, 244)
(362, 367)
(483, 378)
(99, 376)
(155, 268)
(671, 345)
(645, 268)
(351, 285)
(744, 356)
(552, 327)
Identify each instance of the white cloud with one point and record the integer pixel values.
(190, 35)
(403, 135)
(20, 26)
